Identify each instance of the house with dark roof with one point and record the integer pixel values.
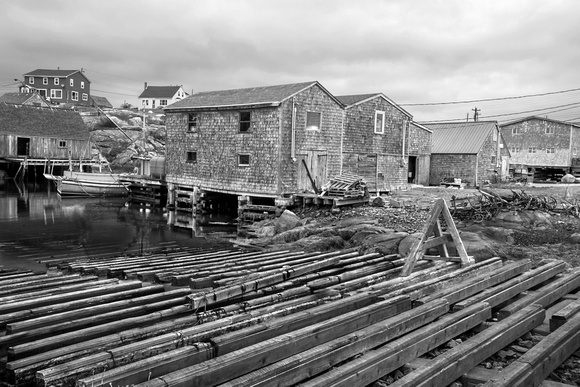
(101, 102)
(382, 144)
(31, 99)
(542, 148)
(60, 87)
(35, 135)
(156, 97)
(257, 142)
(471, 151)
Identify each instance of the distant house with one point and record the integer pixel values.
(101, 102)
(41, 133)
(381, 144)
(155, 97)
(471, 151)
(542, 147)
(260, 142)
(59, 86)
(31, 99)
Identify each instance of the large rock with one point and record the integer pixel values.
(286, 221)
(387, 243)
(568, 178)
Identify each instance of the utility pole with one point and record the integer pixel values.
(476, 114)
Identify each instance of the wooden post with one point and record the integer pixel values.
(433, 236)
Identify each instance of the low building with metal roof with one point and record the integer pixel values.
(474, 152)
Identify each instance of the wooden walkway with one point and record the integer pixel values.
(237, 318)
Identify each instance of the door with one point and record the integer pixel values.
(23, 146)
(312, 170)
(412, 169)
(423, 166)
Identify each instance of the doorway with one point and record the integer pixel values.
(412, 170)
(23, 146)
(312, 170)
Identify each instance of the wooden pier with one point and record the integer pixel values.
(185, 317)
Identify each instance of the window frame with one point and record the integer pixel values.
(244, 126)
(192, 118)
(71, 82)
(74, 95)
(244, 155)
(549, 130)
(45, 80)
(532, 149)
(53, 93)
(31, 80)
(162, 102)
(550, 150)
(191, 157)
(62, 143)
(56, 81)
(382, 129)
(85, 97)
(515, 130)
(312, 127)
(82, 84)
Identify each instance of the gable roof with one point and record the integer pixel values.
(101, 101)
(460, 137)
(42, 122)
(159, 91)
(350, 101)
(538, 118)
(249, 97)
(51, 73)
(418, 125)
(18, 98)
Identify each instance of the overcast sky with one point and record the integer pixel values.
(413, 51)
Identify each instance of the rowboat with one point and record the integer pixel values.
(74, 183)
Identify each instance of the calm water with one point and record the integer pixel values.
(36, 223)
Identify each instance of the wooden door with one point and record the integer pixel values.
(423, 166)
(315, 163)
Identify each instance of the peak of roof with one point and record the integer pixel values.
(51, 73)
(159, 91)
(263, 95)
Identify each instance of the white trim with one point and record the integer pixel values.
(45, 80)
(319, 127)
(380, 130)
(240, 161)
(53, 93)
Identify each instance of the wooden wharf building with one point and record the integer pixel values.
(260, 148)
(186, 317)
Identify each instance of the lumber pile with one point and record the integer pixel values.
(283, 318)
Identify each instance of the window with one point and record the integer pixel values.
(494, 136)
(82, 84)
(72, 82)
(514, 149)
(245, 121)
(379, 122)
(85, 97)
(45, 81)
(57, 81)
(163, 102)
(62, 144)
(549, 130)
(31, 80)
(55, 93)
(532, 149)
(550, 150)
(243, 160)
(74, 95)
(515, 130)
(313, 121)
(192, 157)
(193, 121)
(493, 160)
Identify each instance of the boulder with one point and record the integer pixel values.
(387, 243)
(286, 221)
(568, 178)
(474, 245)
(574, 238)
(406, 243)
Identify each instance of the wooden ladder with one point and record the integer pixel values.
(433, 236)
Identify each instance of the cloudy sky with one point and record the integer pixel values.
(507, 58)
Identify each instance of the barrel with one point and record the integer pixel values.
(157, 164)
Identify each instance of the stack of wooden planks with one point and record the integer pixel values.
(284, 318)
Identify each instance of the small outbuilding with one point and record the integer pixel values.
(474, 152)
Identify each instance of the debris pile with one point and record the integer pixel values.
(346, 186)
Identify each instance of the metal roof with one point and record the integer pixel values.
(460, 137)
(159, 92)
(249, 97)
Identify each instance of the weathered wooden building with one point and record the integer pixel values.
(33, 135)
(471, 151)
(30, 99)
(382, 144)
(260, 142)
(542, 148)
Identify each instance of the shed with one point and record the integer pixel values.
(471, 151)
(31, 99)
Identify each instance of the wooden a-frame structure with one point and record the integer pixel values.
(433, 236)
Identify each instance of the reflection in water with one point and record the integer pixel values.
(35, 222)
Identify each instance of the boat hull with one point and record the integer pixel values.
(89, 184)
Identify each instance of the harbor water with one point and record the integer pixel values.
(38, 224)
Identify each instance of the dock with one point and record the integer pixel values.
(232, 317)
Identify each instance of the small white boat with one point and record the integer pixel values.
(73, 183)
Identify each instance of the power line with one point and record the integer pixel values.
(489, 99)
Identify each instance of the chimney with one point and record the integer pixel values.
(145, 85)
